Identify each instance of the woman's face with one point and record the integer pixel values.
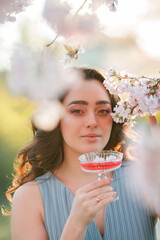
(86, 125)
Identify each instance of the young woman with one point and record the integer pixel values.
(55, 199)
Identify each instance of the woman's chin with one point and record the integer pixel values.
(92, 150)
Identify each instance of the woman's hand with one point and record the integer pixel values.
(154, 124)
(153, 121)
(89, 200)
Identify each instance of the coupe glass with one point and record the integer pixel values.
(101, 162)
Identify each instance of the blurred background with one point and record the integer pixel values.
(129, 39)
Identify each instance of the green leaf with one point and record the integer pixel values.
(68, 48)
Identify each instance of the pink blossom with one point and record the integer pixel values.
(60, 18)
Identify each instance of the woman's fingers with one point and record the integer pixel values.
(99, 191)
(105, 195)
(95, 185)
(98, 188)
(101, 201)
(104, 202)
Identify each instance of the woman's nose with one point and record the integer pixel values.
(91, 120)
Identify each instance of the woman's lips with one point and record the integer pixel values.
(91, 137)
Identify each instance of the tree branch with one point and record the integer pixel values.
(53, 40)
(80, 9)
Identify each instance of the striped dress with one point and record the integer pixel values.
(128, 218)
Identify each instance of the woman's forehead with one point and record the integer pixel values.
(87, 90)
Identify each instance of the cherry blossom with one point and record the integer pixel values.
(72, 53)
(143, 94)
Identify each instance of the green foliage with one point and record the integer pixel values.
(5, 233)
(15, 131)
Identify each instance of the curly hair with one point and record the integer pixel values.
(45, 151)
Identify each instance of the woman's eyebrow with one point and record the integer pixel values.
(78, 102)
(102, 102)
(81, 102)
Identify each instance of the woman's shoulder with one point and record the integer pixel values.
(26, 195)
(28, 212)
(30, 187)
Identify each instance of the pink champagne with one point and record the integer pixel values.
(98, 166)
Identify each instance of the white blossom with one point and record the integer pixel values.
(47, 115)
(125, 85)
(9, 8)
(39, 75)
(111, 4)
(123, 73)
(152, 103)
(112, 70)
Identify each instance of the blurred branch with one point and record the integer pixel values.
(53, 40)
(79, 9)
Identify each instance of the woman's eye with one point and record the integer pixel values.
(104, 111)
(76, 111)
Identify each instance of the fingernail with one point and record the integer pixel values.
(110, 180)
(110, 188)
(114, 194)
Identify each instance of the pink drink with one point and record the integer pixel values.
(101, 166)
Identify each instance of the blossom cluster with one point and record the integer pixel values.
(64, 23)
(111, 4)
(39, 75)
(8, 9)
(143, 95)
(72, 53)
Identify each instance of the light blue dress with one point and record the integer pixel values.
(128, 218)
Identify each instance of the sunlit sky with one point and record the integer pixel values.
(132, 18)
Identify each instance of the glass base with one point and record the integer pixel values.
(117, 198)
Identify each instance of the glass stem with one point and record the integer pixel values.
(101, 175)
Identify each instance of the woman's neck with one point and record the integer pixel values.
(70, 166)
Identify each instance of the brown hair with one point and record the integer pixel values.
(45, 151)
